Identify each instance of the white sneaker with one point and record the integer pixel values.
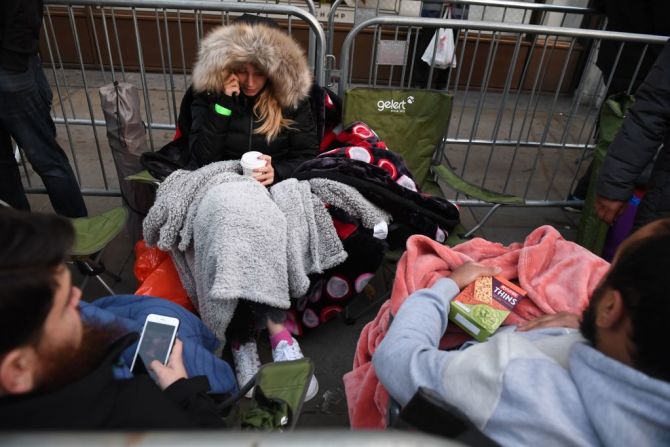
(247, 364)
(285, 352)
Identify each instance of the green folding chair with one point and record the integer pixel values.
(279, 394)
(92, 235)
(414, 124)
(143, 177)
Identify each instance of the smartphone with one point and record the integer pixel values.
(156, 342)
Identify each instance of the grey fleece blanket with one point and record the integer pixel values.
(231, 238)
(350, 200)
(166, 217)
(168, 220)
(240, 252)
(311, 251)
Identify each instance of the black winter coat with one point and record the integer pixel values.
(20, 24)
(418, 213)
(630, 16)
(100, 401)
(646, 127)
(215, 137)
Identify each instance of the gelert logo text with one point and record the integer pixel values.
(394, 106)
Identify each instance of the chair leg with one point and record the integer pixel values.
(104, 284)
(482, 222)
(114, 276)
(92, 267)
(351, 319)
(84, 283)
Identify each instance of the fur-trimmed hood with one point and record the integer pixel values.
(271, 50)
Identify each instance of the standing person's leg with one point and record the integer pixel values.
(11, 189)
(423, 37)
(25, 102)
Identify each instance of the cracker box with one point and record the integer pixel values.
(483, 305)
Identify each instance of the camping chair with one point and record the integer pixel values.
(279, 393)
(91, 236)
(427, 412)
(414, 124)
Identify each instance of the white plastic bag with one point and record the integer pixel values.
(445, 56)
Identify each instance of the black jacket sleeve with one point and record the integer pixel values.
(303, 142)
(643, 130)
(20, 24)
(191, 395)
(209, 126)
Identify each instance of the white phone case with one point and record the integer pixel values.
(158, 319)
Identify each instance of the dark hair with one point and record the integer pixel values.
(32, 246)
(641, 274)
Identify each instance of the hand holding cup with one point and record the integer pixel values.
(265, 174)
(258, 166)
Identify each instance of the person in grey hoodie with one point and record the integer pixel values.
(607, 383)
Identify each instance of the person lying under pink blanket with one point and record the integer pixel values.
(605, 383)
(559, 276)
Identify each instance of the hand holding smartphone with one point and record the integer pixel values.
(158, 337)
(231, 86)
(175, 370)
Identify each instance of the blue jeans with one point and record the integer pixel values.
(25, 105)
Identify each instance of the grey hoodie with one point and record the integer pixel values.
(545, 387)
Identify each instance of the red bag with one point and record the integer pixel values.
(158, 276)
(147, 259)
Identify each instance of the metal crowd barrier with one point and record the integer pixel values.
(482, 10)
(152, 44)
(523, 119)
(521, 106)
(518, 12)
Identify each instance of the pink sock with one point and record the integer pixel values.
(283, 335)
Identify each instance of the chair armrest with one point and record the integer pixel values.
(143, 177)
(427, 412)
(450, 178)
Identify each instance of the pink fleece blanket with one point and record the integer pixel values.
(559, 276)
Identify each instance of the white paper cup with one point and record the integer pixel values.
(250, 161)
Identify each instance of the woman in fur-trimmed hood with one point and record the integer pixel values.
(250, 92)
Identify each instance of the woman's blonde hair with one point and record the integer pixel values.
(266, 109)
(269, 113)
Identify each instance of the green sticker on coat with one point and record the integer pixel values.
(222, 110)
